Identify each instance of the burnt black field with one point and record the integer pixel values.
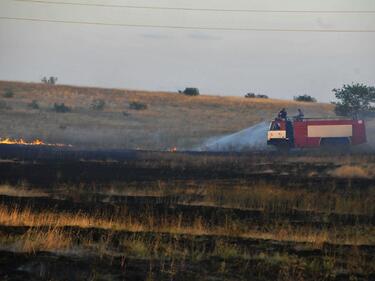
(69, 214)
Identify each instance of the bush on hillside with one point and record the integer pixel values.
(190, 92)
(253, 96)
(33, 105)
(50, 81)
(61, 108)
(8, 93)
(98, 104)
(250, 95)
(305, 98)
(136, 105)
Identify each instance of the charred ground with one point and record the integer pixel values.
(134, 215)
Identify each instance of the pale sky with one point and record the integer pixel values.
(279, 64)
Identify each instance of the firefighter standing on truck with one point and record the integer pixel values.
(300, 115)
(282, 114)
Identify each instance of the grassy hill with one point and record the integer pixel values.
(170, 119)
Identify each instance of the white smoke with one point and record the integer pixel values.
(252, 138)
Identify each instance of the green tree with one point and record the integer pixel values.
(354, 99)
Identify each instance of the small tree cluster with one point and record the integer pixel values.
(354, 99)
(253, 96)
(305, 98)
(33, 105)
(98, 104)
(61, 108)
(50, 81)
(190, 92)
(135, 105)
(8, 93)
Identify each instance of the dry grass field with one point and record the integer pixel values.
(170, 120)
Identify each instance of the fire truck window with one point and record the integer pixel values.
(275, 126)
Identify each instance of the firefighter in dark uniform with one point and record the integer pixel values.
(282, 114)
(300, 115)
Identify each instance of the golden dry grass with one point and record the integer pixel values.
(350, 171)
(171, 119)
(171, 255)
(20, 191)
(54, 239)
(178, 225)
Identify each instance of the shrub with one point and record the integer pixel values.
(8, 93)
(61, 108)
(305, 98)
(98, 104)
(191, 92)
(137, 105)
(51, 80)
(33, 105)
(250, 95)
(4, 106)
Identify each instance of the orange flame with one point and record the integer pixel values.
(173, 149)
(34, 142)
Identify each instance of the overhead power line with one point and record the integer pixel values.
(190, 27)
(200, 9)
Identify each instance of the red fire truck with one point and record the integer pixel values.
(314, 132)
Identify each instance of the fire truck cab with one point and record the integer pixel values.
(310, 133)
